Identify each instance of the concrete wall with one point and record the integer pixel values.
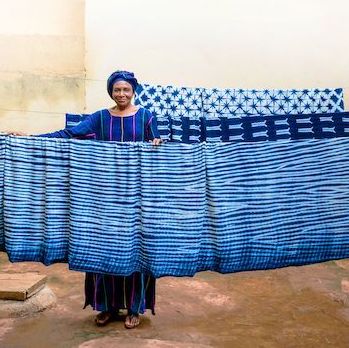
(42, 73)
(49, 47)
(225, 43)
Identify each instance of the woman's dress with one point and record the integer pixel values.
(108, 292)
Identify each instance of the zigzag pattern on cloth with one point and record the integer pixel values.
(176, 209)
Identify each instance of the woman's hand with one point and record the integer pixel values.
(156, 141)
(19, 134)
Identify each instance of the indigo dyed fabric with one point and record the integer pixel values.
(192, 111)
(255, 128)
(176, 209)
(100, 288)
(170, 103)
(36, 199)
(261, 128)
(2, 162)
(175, 102)
(226, 102)
(101, 125)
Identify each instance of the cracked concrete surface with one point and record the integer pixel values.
(304, 306)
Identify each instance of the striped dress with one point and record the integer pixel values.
(136, 292)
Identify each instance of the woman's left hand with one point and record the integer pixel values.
(156, 141)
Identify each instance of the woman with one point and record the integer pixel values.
(123, 122)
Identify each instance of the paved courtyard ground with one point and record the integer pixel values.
(304, 306)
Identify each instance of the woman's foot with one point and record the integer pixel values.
(103, 318)
(132, 321)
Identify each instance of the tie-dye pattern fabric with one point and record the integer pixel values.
(121, 208)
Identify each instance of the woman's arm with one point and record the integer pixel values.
(18, 134)
(86, 127)
(152, 129)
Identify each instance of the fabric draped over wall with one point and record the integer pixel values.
(175, 209)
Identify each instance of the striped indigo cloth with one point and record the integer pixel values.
(2, 162)
(176, 209)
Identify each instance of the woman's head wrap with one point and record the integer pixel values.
(121, 76)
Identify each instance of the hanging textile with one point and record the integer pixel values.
(170, 103)
(193, 110)
(176, 209)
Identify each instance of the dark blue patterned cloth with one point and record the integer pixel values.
(176, 209)
(253, 128)
(169, 103)
(2, 163)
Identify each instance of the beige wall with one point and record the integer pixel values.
(223, 43)
(42, 72)
(49, 47)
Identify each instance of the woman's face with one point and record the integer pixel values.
(122, 94)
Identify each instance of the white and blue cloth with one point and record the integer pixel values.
(176, 209)
(248, 180)
(172, 104)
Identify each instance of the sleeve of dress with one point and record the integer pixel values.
(87, 127)
(152, 126)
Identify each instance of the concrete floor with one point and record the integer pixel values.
(291, 307)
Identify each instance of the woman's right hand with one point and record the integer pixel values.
(18, 134)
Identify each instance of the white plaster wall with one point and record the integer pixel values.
(42, 17)
(42, 72)
(223, 43)
(46, 46)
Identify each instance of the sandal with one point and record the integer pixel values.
(132, 321)
(103, 318)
